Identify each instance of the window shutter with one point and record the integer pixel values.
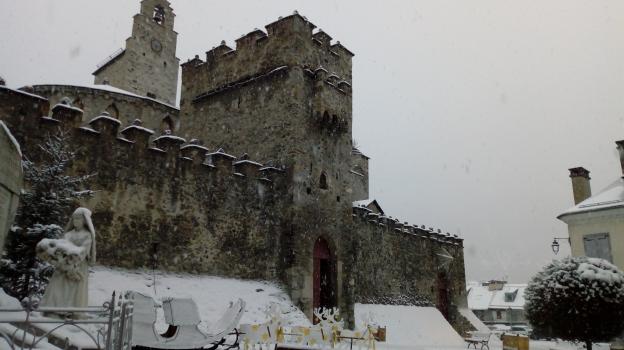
(598, 245)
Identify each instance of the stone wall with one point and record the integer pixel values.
(275, 173)
(11, 180)
(233, 217)
(125, 107)
(288, 41)
(359, 175)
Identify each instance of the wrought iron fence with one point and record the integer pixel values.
(108, 327)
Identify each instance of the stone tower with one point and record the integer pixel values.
(283, 95)
(148, 66)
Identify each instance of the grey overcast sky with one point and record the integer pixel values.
(471, 110)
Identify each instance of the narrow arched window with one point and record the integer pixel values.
(113, 111)
(323, 181)
(167, 124)
(78, 103)
(325, 118)
(159, 14)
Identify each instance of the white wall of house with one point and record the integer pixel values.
(598, 233)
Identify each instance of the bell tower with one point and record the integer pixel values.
(148, 65)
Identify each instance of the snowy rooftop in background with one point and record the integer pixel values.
(610, 197)
(481, 298)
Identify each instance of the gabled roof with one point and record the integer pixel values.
(610, 197)
(370, 204)
(109, 60)
(481, 298)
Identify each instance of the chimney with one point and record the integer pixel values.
(580, 184)
(620, 148)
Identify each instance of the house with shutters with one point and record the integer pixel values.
(497, 302)
(596, 222)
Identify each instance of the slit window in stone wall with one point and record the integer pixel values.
(159, 14)
(78, 103)
(112, 110)
(167, 124)
(325, 118)
(323, 181)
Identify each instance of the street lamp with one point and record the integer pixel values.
(555, 243)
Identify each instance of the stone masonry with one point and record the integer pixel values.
(259, 172)
(148, 65)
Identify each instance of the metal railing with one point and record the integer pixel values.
(26, 328)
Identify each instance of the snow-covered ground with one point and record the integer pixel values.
(411, 325)
(408, 327)
(212, 294)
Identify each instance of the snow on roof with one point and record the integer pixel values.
(170, 137)
(23, 92)
(109, 59)
(221, 152)
(481, 298)
(513, 290)
(192, 145)
(367, 203)
(272, 168)
(88, 129)
(356, 173)
(111, 89)
(247, 161)
(61, 105)
(610, 197)
(105, 116)
(363, 202)
(138, 127)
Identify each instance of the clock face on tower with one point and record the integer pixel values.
(156, 45)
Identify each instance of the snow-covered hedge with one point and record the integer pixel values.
(577, 299)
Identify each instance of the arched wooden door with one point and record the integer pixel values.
(324, 276)
(443, 294)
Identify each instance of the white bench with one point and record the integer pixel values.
(481, 339)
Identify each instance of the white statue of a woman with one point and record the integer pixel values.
(71, 255)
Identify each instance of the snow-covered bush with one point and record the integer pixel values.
(578, 299)
(45, 204)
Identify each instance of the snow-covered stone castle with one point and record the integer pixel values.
(253, 176)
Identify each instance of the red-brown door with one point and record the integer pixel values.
(323, 275)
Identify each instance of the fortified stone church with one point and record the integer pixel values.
(254, 175)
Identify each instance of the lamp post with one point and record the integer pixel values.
(555, 243)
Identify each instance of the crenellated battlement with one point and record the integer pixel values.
(289, 41)
(33, 119)
(388, 224)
